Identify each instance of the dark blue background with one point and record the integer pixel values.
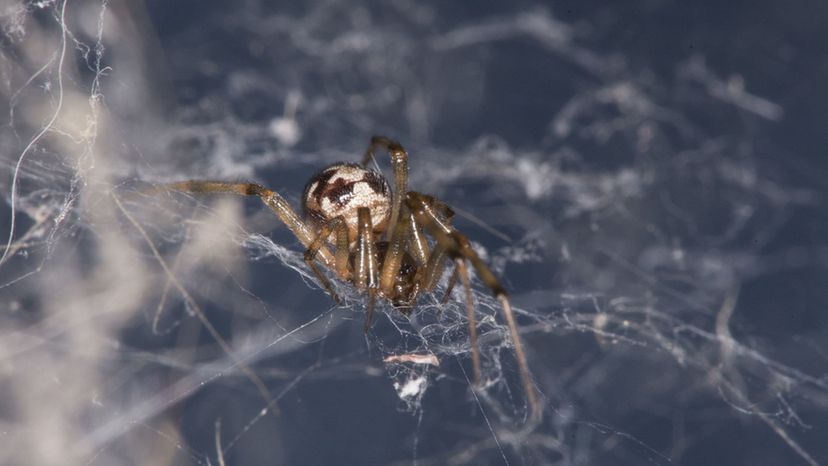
(624, 164)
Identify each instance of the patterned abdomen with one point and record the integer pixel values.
(343, 188)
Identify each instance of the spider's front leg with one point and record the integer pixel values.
(339, 226)
(433, 263)
(365, 264)
(270, 198)
(457, 246)
(399, 163)
(315, 244)
(392, 261)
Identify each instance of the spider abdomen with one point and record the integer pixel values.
(340, 190)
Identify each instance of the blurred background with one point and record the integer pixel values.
(648, 180)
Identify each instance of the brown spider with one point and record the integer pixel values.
(380, 244)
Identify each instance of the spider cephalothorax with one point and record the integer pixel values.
(392, 245)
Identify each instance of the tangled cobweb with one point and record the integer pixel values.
(654, 217)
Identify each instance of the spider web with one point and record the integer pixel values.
(657, 217)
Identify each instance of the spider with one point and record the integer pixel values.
(379, 240)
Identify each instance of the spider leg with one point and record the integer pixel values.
(365, 269)
(399, 163)
(436, 262)
(460, 268)
(450, 286)
(434, 268)
(457, 245)
(272, 199)
(336, 224)
(394, 255)
(417, 242)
